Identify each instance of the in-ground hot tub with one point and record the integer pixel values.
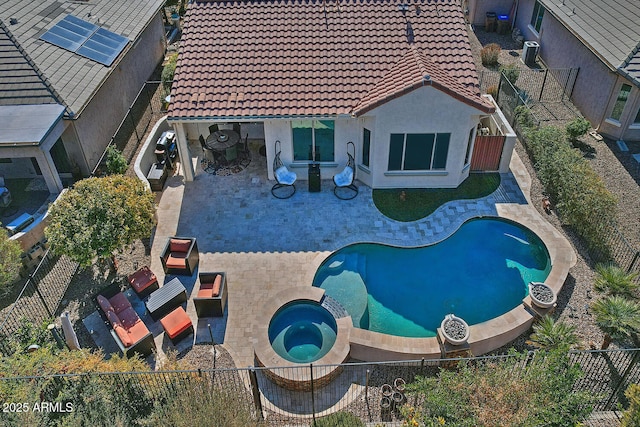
(298, 327)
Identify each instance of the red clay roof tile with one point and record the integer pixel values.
(302, 57)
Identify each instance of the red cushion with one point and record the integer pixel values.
(128, 317)
(176, 322)
(113, 319)
(217, 284)
(142, 279)
(179, 245)
(137, 332)
(204, 293)
(104, 304)
(176, 262)
(123, 335)
(119, 302)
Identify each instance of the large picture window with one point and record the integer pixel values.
(418, 151)
(313, 136)
(618, 107)
(536, 18)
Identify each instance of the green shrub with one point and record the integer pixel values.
(577, 127)
(10, 263)
(168, 71)
(631, 417)
(613, 280)
(489, 54)
(582, 200)
(493, 91)
(549, 334)
(340, 419)
(511, 73)
(523, 117)
(504, 394)
(116, 163)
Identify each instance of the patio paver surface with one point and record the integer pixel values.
(266, 245)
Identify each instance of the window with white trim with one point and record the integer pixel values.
(621, 101)
(366, 146)
(536, 18)
(418, 151)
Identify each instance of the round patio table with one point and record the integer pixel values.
(222, 139)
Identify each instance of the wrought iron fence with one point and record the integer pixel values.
(540, 85)
(374, 392)
(147, 107)
(40, 297)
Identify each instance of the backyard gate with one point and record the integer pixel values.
(487, 152)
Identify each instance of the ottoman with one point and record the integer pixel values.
(177, 325)
(143, 281)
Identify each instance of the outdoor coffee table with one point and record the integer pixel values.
(166, 298)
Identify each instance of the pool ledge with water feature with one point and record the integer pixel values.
(299, 379)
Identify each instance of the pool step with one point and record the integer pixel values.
(334, 307)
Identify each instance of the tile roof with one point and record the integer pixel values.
(74, 78)
(21, 82)
(609, 28)
(259, 59)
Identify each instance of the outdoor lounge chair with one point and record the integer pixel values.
(284, 177)
(212, 294)
(180, 256)
(345, 188)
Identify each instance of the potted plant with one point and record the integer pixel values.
(542, 295)
(454, 329)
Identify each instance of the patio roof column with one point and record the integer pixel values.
(49, 172)
(183, 152)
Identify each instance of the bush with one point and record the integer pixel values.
(489, 54)
(493, 91)
(168, 71)
(340, 419)
(10, 263)
(613, 280)
(116, 163)
(631, 417)
(504, 394)
(511, 73)
(577, 127)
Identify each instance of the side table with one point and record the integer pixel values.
(166, 298)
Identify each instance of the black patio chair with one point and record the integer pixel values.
(345, 188)
(207, 153)
(213, 128)
(285, 179)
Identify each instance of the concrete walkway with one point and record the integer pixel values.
(267, 245)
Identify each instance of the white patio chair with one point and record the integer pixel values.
(285, 179)
(346, 188)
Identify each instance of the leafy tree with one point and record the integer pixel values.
(549, 334)
(613, 280)
(619, 318)
(116, 163)
(10, 264)
(99, 216)
(576, 128)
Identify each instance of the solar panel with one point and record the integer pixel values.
(86, 39)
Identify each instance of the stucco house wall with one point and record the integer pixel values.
(424, 110)
(477, 9)
(98, 122)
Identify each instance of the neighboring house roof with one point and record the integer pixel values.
(261, 59)
(609, 28)
(74, 78)
(28, 124)
(21, 82)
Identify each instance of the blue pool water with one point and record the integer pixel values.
(302, 331)
(480, 272)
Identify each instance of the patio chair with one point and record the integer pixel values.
(345, 188)
(213, 128)
(207, 153)
(284, 178)
(212, 294)
(236, 128)
(180, 256)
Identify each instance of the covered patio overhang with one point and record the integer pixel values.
(31, 131)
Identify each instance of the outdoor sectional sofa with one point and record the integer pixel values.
(128, 330)
(212, 294)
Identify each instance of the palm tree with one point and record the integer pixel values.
(549, 334)
(613, 280)
(619, 318)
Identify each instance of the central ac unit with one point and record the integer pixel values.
(529, 53)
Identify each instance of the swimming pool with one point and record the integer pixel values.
(478, 273)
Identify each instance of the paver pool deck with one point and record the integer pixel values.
(267, 245)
